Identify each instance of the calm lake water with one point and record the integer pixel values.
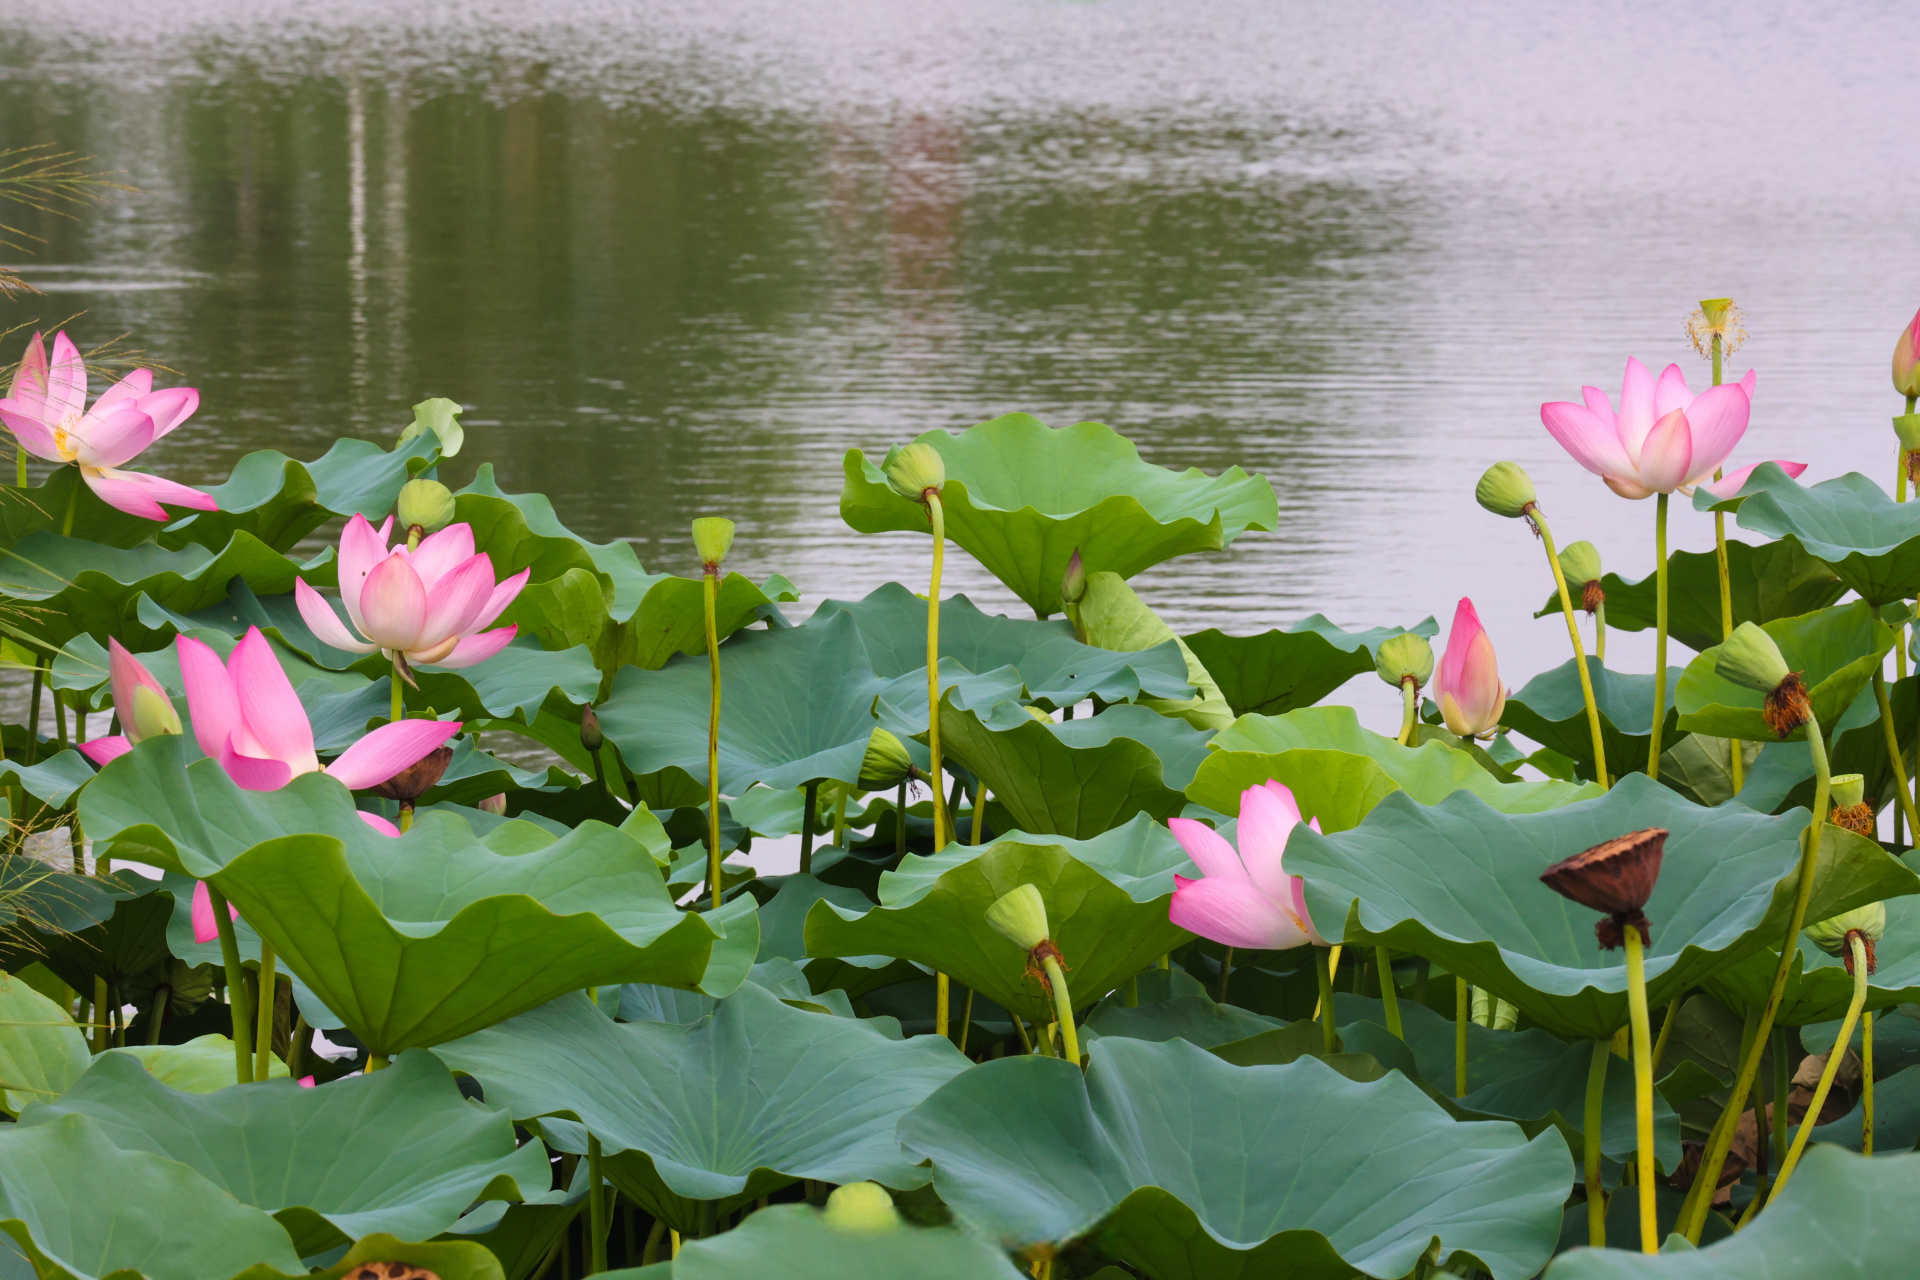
(676, 259)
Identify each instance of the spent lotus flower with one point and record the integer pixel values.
(1467, 681)
(1663, 439)
(429, 605)
(46, 409)
(1245, 897)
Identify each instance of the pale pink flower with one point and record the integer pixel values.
(1245, 898)
(1466, 682)
(141, 702)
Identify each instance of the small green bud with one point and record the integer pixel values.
(712, 539)
(1580, 561)
(590, 736)
(1847, 789)
(886, 763)
(1073, 583)
(1404, 657)
(1020, 916)
(913, 469)
(152, 714)
(862, 1206)
(1749, 657)
(426, 505)
(1506, 490)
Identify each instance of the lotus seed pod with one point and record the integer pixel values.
(1906, 360)
(1404, 657)
(1830, 935)
(1847, 789)
(1580, 561)
(712, 539)
(1073, 583)
(1714, 310)
(1020, 916)
(426, 505)
(1506, 490)
(862, 1206)
(1749, 657)
(915, 468)
(417, 778)
(151, 714)
(886, 763)
(590, 735)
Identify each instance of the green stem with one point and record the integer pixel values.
(1866, 1084)
(299, 1046)
(236, 986)
(1893, 755)
(20, 466)
(942, 1004)
(1590, 1144)
(810, 803)
(1323, 974)
(1062, 1008)
(60, 718)
(1856, 944)
(73, 503)
(1600, 632)
(1409, 709)
(375, 1061)
(157, 1014)
(397, 699)
(102, 1028)
(840, 819)
(1642, 1087)
(1659, 636)
(979, 810)
(1579, 649)
(596, 1210)
(966, 1020)
(1462, 1014)
(1389, 993)
(1226, 972)
(33, 715)
(1666, 1032)
(263, 1038)
(1899, 488)
(900, 820)
(1782, 1089)
(710, 590)
(938, 515)
(1129, 992)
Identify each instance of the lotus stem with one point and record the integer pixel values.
(840, 820)
(236, 986)
(397, 706)
(1062, 1007)
(1590, 1144)
(979, 809)
(1130, 992)
(1019, 1026)
(263, 1039)
(1226, 972)
(1893, 755)
(1694, 1215)
(1323, 973)
(710, 592)
(966, 1020)
(1666, 1032)
(1579, 649)
(375, 1061)
(102, 1027)
(1782, 1088)
(157, 1012)
(938, 515)
(1600, 632)
(1659, 635)
(33, 715)
(73, 502)
(20, 466)
(1389, 993)
(1409, 709)
(1642, 1086)
(942, 1003)
(1857, 945)
(900, 820)
(1866, 1083)
(299, 1045)
(596, 1211)
(1462, 1013)
(1899, 483)
(809, 802)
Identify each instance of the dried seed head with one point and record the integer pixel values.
(1787, 707)
(417, 778)
(1591, 596)
(1717, 316)
(1616, 877)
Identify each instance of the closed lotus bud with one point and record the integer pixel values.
(1506, 490)
(145, 709)
(496, 804)
(417, 778)
(712, 539)
(862, 1206)
(1830, 935)
(886, 763)
(915, 468)
(1467, 685)
(1073, 583)
(1020, 916)
(590, 735)
(426, 505)
(1404, 657)
(1750, 657)
(1906, 359)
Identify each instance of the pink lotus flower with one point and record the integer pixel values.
(1467, 680)
(141, 702)
(1906, 359)
(428, 605)
(1664, 438)
(1245, 898)
(45, 408)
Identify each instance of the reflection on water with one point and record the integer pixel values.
(677, 259)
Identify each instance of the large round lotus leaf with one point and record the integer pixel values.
(901, 707)
(1195, 1018)
(1835, 651)
(51, 901)
(797, 705)
(1782, 776)
(1842, 1217)
(1054, 667)
(398, 1151)
(1896, 1113)
(1775, 580)
(200, 1065)
(798, 1242)
(44, 506)
(1020, 497)
(1106, 901)
(1278, 671)
(424, 937)
(1182, 1165)
(130, 941)
(41, 1052)
(1552, 710)
(1338, 771)
(728, 1108)
(53, 780)
(1871, 542)
(1459, 883)
(1078, 777)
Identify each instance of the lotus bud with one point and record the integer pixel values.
(425, 506)
(494, 804)
(1850, 808)
(1750, 657)
(1020, 916)
(1616, 877)
(417, 778)
(862, 1206)
(886, 763)
(1906, 359)
(914, 469)
(145, 709)
(712, 539)
(1870, 922)
(1404, 657)
(590, 735)
(1073, 583)
(1506, 490)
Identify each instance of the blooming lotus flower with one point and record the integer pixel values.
(428, 605)
(1664, 438)
(1245, 898)
(1467, 681)
(45, 408)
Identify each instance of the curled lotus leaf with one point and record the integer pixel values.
(1835, 652)
(1871, 542)
(1279, 671)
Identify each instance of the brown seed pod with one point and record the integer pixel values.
(1592, 597)
(1787, 708)
(1616, 877)
(417, 778)
(1857, 818)
(390, 1271)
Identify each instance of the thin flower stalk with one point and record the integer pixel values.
(1579, 650)
(1659, 636)
(1857, 946)
(1716, 316)
(712, 539)
(1590, 1143)
(1389, 993)
(1462, 1015)
(1900, 788)
(236, 984)
(1866, 1083)
(263, 1038)
(1642, 1087)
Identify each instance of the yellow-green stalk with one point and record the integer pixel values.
(712, 539)
(1711, 326)
(1590, 1143)
(1852, 935)
(1659, 635)
(236, 986)
(263, 1038)
(1406, 662)
(1642, 1086)
(917, 471)
(1462, 1014)
(1020, 916)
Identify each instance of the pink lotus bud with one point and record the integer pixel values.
(1906, 359)
(144, 707)
(206, 926)
(1467, 682)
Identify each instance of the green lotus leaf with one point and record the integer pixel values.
(726, 1109)
(514, 682)
(1078, 777)
(1835, 1221)
(797, 1242)
(797, 706)
(1458, 883)
(42, 507)
(1054, 667)
(41, 1052)
(1871, 542)
(1305, 1173)
(1775, 580)
(1193, 1018)
(1106, 900)
(53, 780)
(200, 1065)
(398, 1151)
(1020, 497)
(1896, 1115)
(1552, 710)
(1279, 671)
(901, 706)
(783, 918)
(133, 939)
(1338, 771)
(31, 892)
(1765, 478)
(1835, 651)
